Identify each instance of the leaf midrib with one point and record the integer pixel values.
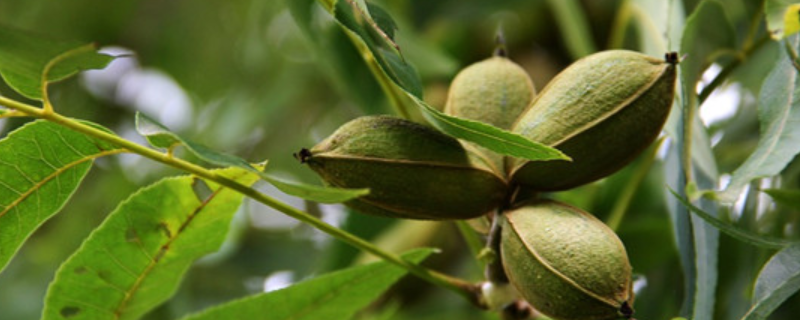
(162, 251)
(38, 185)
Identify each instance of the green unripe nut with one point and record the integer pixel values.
(412, 171)
(494, 91)
(566, 263)
(602, 111)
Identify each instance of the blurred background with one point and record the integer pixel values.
(241, 77)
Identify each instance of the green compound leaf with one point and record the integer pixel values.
(338, 295)
(783, 17)
(25, 56)
(779, 122)
(41, 165)
(739, 234)
(160, 137)
(777, 281)
(402, 74)
(135, 259)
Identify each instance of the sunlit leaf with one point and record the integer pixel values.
(739, 234)
(159, 136)
(155, 133)
(783, 17)
(24, 56)
(777, 281)
(41, 165)
(791, 20)
(136, 258)
(338, 295)
(779, 120)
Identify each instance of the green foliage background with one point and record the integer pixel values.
(261, 88)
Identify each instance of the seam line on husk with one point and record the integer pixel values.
(560, 275)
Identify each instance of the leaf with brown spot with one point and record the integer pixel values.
(41, 165)
(134, 261)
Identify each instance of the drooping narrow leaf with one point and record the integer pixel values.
(386, 53)
(660, 24)
(159, 136)
(681, 224)
(708, 31)
(338, 295)
(491, 137)
(706, 242)
(135, 259)
(777, 281)
(702, 155)
(383, 19)
(733, 231)
(404, 76)
(779, 120)
(24, 56)
(572, 22)
(786, 197)
(669, 20)
(315, 193)
(41, 165)
(783, 17)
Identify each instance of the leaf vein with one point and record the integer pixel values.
(158, 257)
(53, 175)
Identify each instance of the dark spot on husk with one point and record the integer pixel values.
(625, 310)
(303, 155)
(672, 57)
